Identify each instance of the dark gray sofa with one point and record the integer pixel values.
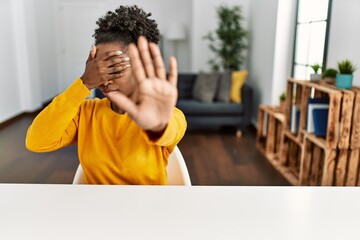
(202, 115)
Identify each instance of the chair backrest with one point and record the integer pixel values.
(176, 170)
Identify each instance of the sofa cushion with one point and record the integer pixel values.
(237, 81)
(185, 85)
(223, 91)
(194, 107)
(205, 87)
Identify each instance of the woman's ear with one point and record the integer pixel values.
(93, 51)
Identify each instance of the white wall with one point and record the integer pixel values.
(10, 101)
(204, 20)
(283, 54)
(19, 59)
(27, 49)
(344, 35)
(47, 61)
(262, 25)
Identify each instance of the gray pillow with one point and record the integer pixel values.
(205, 87)
(223, 92)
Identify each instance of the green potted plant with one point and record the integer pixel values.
(315, 76)
(228, 41)
(329, 75)
(345, 77)
(282, 99)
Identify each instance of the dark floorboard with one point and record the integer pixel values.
(213, 157)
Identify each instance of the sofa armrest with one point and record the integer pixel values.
(247, 101)
(98, 93)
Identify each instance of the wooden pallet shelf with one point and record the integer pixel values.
(303, 158)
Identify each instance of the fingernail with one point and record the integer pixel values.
(118, 52)
(126, 58)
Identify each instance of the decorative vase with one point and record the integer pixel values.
(315, 77)
(344, 81)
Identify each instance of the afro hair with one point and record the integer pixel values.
(125, 25)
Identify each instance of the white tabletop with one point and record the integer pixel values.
(29, 211)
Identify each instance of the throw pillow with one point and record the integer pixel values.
(237, 81)
(205, 86)
(223, 93)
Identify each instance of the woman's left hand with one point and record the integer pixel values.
(157, 94)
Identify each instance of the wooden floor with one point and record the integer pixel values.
(214, 157)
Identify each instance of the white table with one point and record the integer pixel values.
(29, 211)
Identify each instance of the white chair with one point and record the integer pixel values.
(176, 170)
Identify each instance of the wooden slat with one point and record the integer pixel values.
(293, 153)
(288, 100)
(270, 135)
(341, 168)
(332, 134)
(329, 168)
(346, 119)
(305, 163)
(353, 168)
(355, 133)
(323, 88)
(284, 149)
(279, 130)
(303, 110)
(315, 166)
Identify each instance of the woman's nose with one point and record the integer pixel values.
(107, 83)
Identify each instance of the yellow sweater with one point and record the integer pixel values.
(112, 149)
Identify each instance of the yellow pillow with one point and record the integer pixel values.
(237, 81)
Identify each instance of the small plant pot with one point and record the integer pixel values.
(329, 79)
(344, 81)
(315, 77)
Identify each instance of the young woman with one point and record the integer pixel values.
(125, 138)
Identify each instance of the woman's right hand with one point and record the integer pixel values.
(105, 68)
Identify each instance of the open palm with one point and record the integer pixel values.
(157, 94)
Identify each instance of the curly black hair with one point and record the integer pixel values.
(126, 25)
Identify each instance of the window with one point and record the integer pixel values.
(311, 35)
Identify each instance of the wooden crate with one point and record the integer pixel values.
(349, 134)
(328, 167)
(294, 93)
(270, 127)
(317, 162)
(340, 113)
(290, 157)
